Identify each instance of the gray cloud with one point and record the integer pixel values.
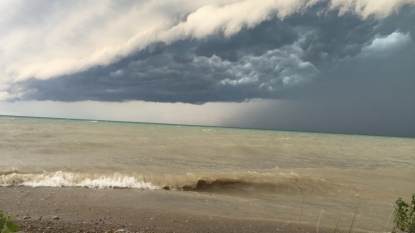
(362, 95)
(275, 60)
(71, 37)
(173, 77)
(268, 35)
(331, 67)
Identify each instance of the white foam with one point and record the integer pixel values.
(68, 179)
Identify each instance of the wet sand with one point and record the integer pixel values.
(92, 210)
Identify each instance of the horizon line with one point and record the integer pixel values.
(192, 125)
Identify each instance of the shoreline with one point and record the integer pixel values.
(87, 210)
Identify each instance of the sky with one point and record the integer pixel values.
(339, 66)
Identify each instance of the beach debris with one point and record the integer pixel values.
(26, 217)
(55, 218)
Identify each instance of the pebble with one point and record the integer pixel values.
(55, 218)
(26, 217)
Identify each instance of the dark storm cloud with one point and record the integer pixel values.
(329, 70)
(403, 22)
(174, 74)
(359, 96)
(275, 60)
(267, 36)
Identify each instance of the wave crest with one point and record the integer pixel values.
(247, 182)
(69, 179)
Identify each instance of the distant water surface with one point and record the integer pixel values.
(257, 172)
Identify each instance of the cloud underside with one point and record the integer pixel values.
(204, 52)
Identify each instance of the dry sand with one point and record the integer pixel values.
(90, 210)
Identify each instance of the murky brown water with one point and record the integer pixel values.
(291, 176)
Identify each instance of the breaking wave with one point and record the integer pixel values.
(69, 179)
(216, 183)
(291, 183)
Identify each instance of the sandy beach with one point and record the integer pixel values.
(89, 210)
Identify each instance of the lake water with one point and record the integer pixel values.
(291, 176)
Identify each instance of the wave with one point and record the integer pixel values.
(246, 182)
(9, 171)
(265, 183)
(70, 179)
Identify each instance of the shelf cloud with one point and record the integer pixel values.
(217, 51)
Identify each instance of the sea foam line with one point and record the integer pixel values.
(68, 179)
